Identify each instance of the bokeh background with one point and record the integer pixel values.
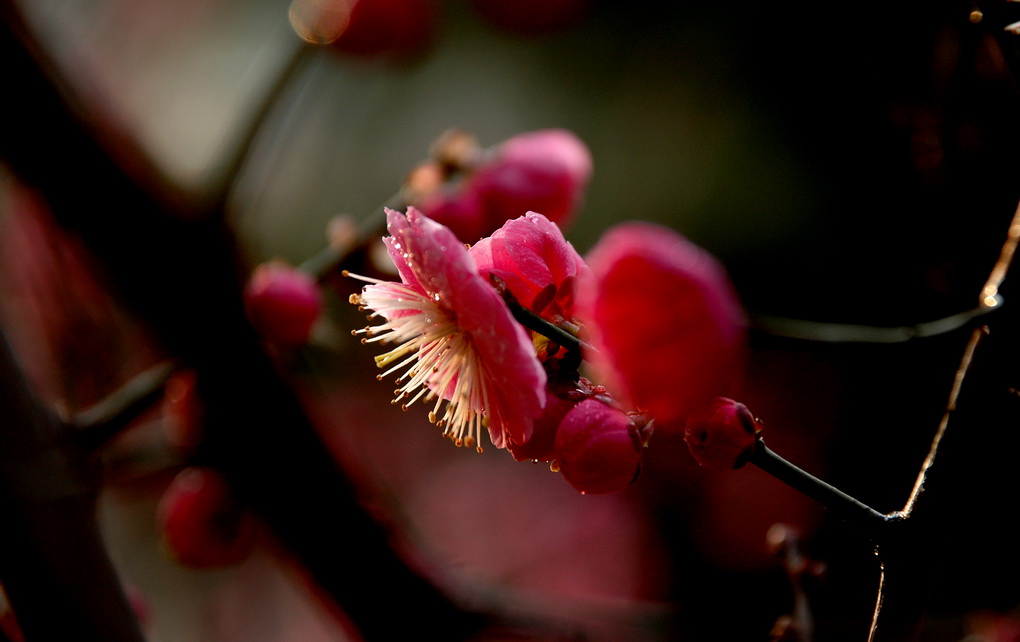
(848, 164)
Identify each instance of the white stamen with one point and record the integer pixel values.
(436, 358)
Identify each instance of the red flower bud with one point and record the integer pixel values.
(202, 524)
(723, 435)
(283, 303)
(598, 448)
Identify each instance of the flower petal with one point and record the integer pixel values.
(669, 329)
(530, 254)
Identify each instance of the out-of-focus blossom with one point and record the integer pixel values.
(283, 303)
(455, 338)
(598, 448)
(202, 524)
(366, 27)
(723, 435)
(539, 267)
(543, 171)
(667, 326)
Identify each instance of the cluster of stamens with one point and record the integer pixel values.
(437, 361)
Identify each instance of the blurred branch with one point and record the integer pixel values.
(910, 558)
(103, 421)
(855, 333)
(53, 565)
(178, 268)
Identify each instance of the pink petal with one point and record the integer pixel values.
(440, 263)
(665, 319)
(545, 171)
(530, 254)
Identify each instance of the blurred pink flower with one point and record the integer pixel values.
(456, 340)
(667, 326)
(283, 303)
(539, 267)
(202, 523)
(543, 171)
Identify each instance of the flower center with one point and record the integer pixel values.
(435, 358)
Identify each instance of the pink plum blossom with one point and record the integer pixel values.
(544, 171)
(455, 339)
(667, 326)
(539, 267)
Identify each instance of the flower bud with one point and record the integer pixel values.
(202, 524)
(283, 303)
(598, 448)
(723, 435)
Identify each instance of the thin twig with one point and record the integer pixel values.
(867, 519)
(929, 461)
(856, 333)
(106, 419)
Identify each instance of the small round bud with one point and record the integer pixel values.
(598, 448)
(723, 435)
(283, 303)
(202, 524)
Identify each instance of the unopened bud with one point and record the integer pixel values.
(598, 448)
(202, 524)
(723, 435)
(283, 303)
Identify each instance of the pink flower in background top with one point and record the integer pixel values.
(539, 267)
(543, 171)
(667, 324)
(455, 338)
